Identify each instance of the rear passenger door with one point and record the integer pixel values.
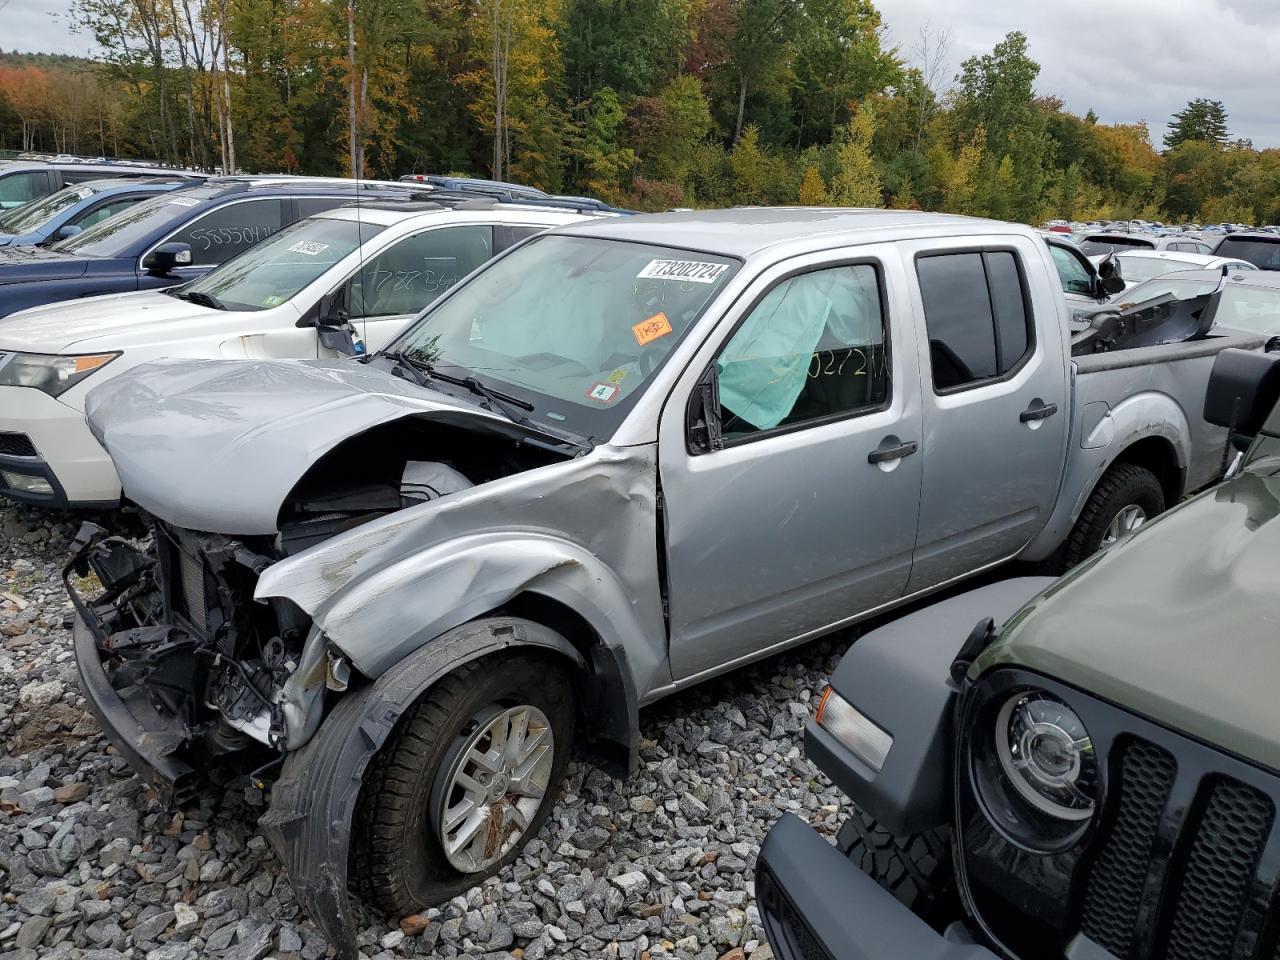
(995, 395)
(805, 515)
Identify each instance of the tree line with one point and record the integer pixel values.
(647, 103)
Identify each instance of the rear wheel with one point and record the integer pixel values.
(916, 868)
(1126, 497)
(466, 779)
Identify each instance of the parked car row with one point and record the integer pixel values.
(427, 480)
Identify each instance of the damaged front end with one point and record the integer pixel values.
(185, 672)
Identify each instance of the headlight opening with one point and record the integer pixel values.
(1046, 753)
(1034, 768)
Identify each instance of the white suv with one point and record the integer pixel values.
(328, 285)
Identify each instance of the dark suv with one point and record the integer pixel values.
(22, 181)
(1093, 774)
(169, 239)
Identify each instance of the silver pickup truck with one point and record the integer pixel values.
(622, 458)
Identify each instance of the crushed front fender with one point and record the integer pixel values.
(312, 803)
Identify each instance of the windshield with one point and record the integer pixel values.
(118, 236)
(1137, 269)
(1250, 309)
(1263, 254)
(31, 215)
(1180, 289)
(274, 270)
(576, 325)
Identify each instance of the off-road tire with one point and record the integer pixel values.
(915, 868)
(1125, 484)
(396, 861)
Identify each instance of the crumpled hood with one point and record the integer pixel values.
(1181, 624)
(56, 327)
(22, 264)
(217, 445)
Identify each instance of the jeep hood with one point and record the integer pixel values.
(1181, 624)
(217, 445)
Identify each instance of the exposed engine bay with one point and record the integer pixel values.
(219, 675)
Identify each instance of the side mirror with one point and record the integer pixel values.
(703, 417)
(1113, 284)
(70, 230)
(165, 257)
(333, 323)
(1243, 388)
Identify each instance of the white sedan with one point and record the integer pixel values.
(1140, 266)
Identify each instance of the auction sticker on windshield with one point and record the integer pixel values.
(688, 271)
(646, 331)
(604, 392)
(183, 201)
(309, 247)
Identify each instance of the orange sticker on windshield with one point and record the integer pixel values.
(646, 331)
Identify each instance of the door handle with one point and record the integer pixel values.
(1042, 412)
(893, 453)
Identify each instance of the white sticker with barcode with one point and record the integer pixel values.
(309, 247)
(183, 201)
(684, 271)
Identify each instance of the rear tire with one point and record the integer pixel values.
(915, 868)
(1125, 487)
(398, 861)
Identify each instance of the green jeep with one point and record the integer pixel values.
(1093, 774)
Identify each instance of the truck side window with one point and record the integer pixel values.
(813, 348)
(976, 315)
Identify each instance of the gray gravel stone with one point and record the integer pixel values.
(661, 863)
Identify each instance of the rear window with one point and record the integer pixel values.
(1100, 246)
(975, 312)
(1263, 254)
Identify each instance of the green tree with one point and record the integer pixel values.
(631, 46)
(857, 181)
(995, 92)
(813, 191)
(1200, 119)
(839, 59)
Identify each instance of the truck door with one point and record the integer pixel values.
(803, 516)
(995, 398)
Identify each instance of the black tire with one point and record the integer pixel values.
(1124, 485)
(397, 863)
(916, 868)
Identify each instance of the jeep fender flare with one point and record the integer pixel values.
(312, 803)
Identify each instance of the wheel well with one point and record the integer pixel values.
(607, 705)
(1157, 455)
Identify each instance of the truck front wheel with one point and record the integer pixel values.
(466, 779)
(1125, 498)
(915, 868)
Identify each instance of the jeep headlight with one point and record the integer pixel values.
(1047, 755)
(52, 373)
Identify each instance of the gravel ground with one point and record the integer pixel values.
(92, 866)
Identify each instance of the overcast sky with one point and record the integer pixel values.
(1125, 59)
